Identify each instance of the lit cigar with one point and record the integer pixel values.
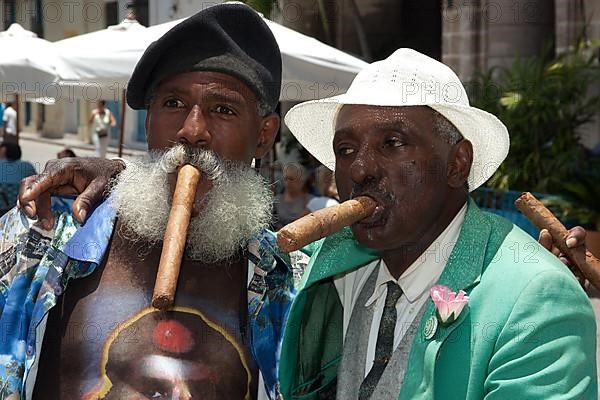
(324, 222)
(541, 217)
(175, 237)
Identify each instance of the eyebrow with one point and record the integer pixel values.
(385, 125)
(222, 95)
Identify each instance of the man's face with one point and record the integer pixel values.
(174, 355)
(210, 110)
(395, 156)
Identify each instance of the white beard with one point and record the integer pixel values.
(236, 209)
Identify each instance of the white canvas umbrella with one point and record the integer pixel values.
(101, 62)
(28, 65)
(106, 57)
(311, 69)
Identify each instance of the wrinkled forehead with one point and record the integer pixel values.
(356, 117)
(215, 84)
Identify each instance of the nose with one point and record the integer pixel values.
(181, 392)
(194, 131)
(365, 167)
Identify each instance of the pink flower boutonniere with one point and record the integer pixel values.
(448, 304)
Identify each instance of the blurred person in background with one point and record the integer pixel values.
(327, 190)
(2, 108)
(9, 117)
(291, 204)
(101, 121)
(12, 168)
(65, 153)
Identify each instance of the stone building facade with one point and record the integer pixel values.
(468, 35)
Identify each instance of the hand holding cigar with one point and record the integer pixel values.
(541, 217)
(175, 237)
(324, 222)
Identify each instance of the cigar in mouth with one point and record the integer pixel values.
(175, 237)
(543, 218)
(324, 222)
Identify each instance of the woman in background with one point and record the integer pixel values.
(325, 183)
(291, 204)
(101, 121)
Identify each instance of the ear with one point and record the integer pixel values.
(459, 164)
(269, 126)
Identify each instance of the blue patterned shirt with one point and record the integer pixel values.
(37, 265)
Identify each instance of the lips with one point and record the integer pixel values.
(379, 216)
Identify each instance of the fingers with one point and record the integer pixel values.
(88, 176)
(44, 182)
(545, 239)
(28, 199)
(28, 206)
(44, 211)
(91, 196)
(575, 237)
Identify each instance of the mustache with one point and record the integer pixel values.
(207, 161)
(375, 191)
(236, 207)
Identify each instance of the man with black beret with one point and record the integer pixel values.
(75, 298)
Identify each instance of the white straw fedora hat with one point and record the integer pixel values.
(406, 78)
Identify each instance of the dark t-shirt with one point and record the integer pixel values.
(104, 340)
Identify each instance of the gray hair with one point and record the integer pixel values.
(447, 132)
(262, 108)
(298, 169)
(446, 129)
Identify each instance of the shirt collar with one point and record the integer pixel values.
(425, 270)
(90, 241)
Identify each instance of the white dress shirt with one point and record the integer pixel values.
(415, 283)
(10, 121)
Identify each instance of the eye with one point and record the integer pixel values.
(173, 103)
(224, 110)
(393, 141)
(344, 150)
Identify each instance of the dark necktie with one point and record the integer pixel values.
(385, 341)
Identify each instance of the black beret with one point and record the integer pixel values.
(228, 38)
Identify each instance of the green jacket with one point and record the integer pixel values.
(528, 331)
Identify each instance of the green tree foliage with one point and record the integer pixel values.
(543, 101)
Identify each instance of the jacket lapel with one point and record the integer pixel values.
(331, 256)
(462, 272)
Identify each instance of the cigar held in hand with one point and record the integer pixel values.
(324, 222)
(541, 217)
(175, 237)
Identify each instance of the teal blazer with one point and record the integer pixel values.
(528, 331)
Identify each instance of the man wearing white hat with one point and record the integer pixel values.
(429, 297)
